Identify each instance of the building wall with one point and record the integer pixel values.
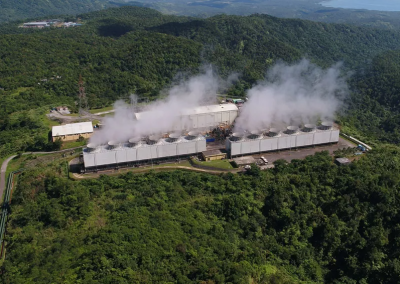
(266, 144)
(142, 152)
(214, 157)
(72, 137)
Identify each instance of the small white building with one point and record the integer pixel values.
(36, 25)
(71, 132)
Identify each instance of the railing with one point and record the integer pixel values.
(5, 208)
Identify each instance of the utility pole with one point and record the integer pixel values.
(83, 104)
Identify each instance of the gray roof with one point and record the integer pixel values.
(212, 153)
(343, 160)
(244, 160)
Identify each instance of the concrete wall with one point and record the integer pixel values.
(283, 141)
(142, 152)
(72, 137)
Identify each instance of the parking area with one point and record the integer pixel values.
(289, 155)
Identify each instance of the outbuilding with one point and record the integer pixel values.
(72, 132)
(342, 161)
(244, 161)
(213, 155)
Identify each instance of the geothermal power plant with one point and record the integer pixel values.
(187, 137)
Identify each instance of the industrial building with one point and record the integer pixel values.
(274, 139)
(203, 117)
(38, 25)
(142, 151)
(72, 132)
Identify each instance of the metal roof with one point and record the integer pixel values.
(73, 128)
(35, 23)
(212, 153)
(195, 110)
(210, 109)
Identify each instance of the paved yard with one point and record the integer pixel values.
(289, 155)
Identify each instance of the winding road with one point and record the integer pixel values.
(5, 165)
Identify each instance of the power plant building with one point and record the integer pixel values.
(137, 151)
(203, 117)
(293, 137)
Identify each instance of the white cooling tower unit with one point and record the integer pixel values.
(291, 138)
(156, 148)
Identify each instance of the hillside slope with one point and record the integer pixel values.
(138, 50)
(11, 10)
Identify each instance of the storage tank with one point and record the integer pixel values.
(291, 129)
(308, 128)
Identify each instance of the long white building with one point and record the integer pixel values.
(293, 137)
(138, 151)
(203, 117)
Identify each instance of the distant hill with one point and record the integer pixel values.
(11, 10)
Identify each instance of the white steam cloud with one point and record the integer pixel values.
(292, 95)
(161, 115)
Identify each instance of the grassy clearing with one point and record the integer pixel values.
(101, 109)
(73, 144)
(219, 164)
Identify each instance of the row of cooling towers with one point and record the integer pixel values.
(150, 140)
(273, 132)
(158, 147)
(248, 142)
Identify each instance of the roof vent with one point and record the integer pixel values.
(173, 137)
(153, 139)
(113, 145)
(273, 132)
(326, 125)
(134, 142)
(255, 134)
(308, 128)
(291, 129)
(192, 135)
(237, 136)
(91, 147)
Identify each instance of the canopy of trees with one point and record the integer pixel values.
(309, 221)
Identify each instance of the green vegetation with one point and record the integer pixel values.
(139, 50)
(218, 164)
(305, 222)
(11, 10)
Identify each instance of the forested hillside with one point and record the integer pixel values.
(138, 50)
(305, 222)
(12, 10)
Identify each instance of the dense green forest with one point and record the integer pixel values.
(309, 221)
(12, 10)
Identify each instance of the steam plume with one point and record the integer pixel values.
(301, 93)
(162, 115)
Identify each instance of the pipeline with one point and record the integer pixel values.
(5, 208)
